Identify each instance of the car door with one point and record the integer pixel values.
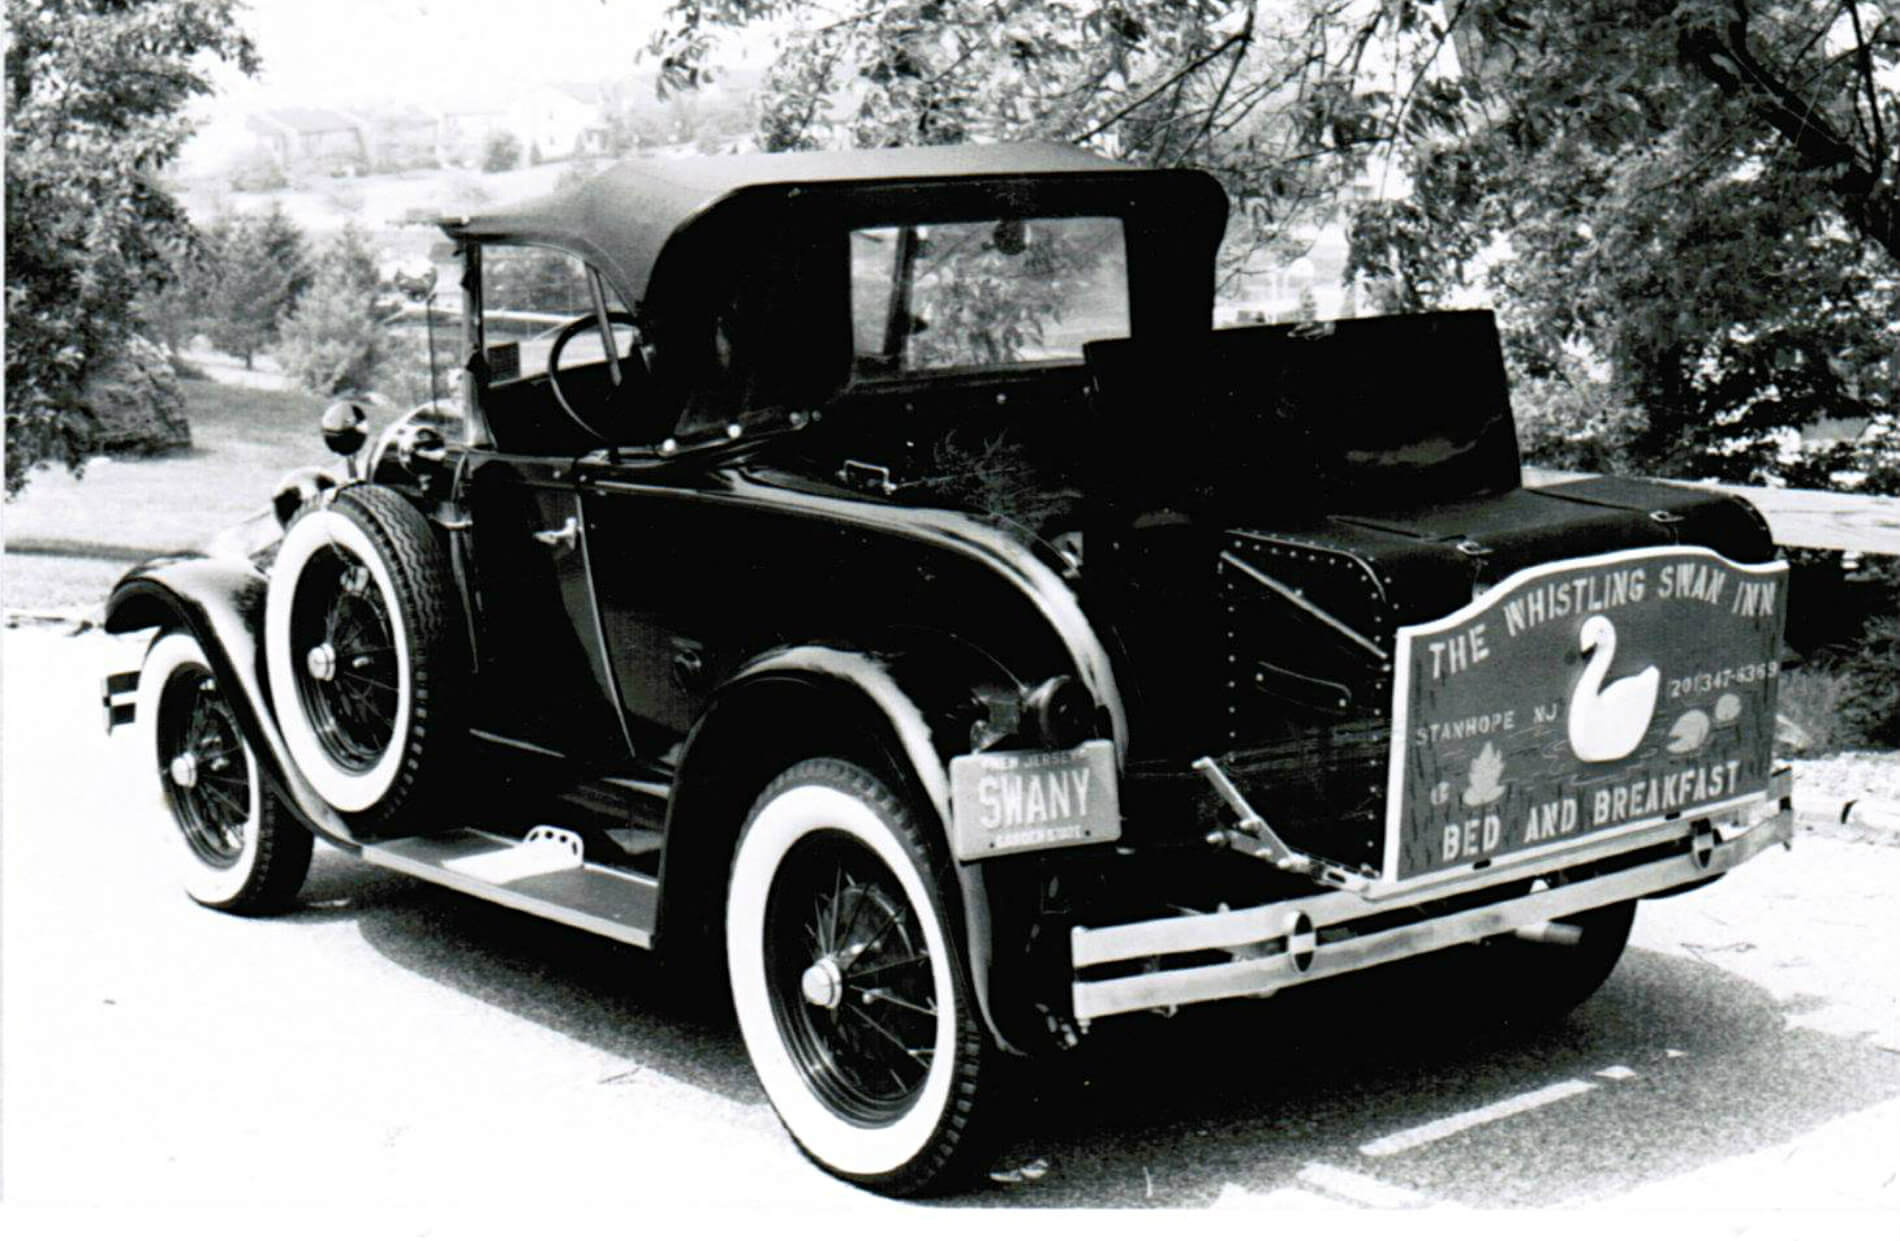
(543, 679)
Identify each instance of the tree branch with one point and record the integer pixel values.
(1723, 55)
(1193, 66)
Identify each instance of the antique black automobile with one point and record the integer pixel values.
(869, 579)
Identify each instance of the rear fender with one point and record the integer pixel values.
(795, 703)
(221, 603)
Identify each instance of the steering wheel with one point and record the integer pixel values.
(632, 361)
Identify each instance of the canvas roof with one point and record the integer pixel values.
(622, 219)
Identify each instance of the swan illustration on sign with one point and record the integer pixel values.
(1607, 722)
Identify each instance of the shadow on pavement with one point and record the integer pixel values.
(609, 995)
(1173, 1112)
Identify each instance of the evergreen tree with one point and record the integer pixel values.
(332, 344)
(250, 290)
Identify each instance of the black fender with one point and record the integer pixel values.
(221, 603)
(896, 715)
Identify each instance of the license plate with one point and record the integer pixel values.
(1013, 801)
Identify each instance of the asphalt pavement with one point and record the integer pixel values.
(391, 1044)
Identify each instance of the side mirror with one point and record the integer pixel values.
(345, 428)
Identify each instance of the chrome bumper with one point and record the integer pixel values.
(1280, 945)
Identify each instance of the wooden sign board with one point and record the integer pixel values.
(1581, 699)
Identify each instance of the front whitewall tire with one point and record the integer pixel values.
(272, 853)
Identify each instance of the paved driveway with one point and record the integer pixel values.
(393, 1043)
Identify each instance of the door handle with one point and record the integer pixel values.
(566, 536)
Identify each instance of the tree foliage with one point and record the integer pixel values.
(501, 151)
(1684, 210)
(253, 272)
(332, 343)
(1685, 282)
(96, 91)
(1286, 103)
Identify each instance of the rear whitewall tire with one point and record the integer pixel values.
(927, 1146)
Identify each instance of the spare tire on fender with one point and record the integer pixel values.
(364, 649)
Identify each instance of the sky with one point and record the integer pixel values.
(422, 52)
(416, 50)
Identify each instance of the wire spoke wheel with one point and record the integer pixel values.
(850, 985)
(365, 651)
(347, 677)
(850, 977)
(202, 763)
(236, 847)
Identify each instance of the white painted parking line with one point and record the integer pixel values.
(1233, 1198)
(1617, 1073)
(1408, 1139)
(1360, 1188)
(1836, 1019)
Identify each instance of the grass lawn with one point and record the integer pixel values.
(242, 441)
(57, 584)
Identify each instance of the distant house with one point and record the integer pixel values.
(563, 122)
(401, 138)
(462, 127)
(300, 137)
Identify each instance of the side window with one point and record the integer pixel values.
(529, 293)
(985, 293)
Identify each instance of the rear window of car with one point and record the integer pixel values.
(986, 293)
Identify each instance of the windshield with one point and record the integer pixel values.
(529, 293)
(986, 293)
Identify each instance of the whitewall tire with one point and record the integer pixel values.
(849, 983)
(360, 639)
(234, 845)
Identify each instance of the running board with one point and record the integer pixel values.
(530, 876)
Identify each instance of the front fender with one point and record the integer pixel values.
(221, 603)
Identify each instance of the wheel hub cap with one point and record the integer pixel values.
(184, 770)
(321, 662)
(823, 983)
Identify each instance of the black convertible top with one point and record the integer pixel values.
(622, 220)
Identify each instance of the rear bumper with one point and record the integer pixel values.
(1302, 940)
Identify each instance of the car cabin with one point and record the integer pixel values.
(783, 281)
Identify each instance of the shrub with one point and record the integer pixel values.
(501, 151)
(135, 404)
(402, 367)
(1870, 708)
(256, 172)
(1809, 699)
(331, 344)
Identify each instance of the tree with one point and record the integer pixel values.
(96, 91)
(1276, 100)
(1685, 277)
(501, 151)
(331, 344)
(258, 270)
(1697, 198)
